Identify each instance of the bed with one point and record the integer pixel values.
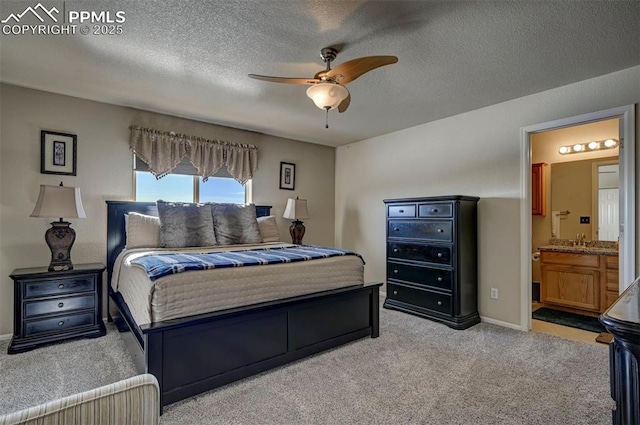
(193, 354)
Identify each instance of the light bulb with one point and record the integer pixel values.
(610, 143)
(578, 147)
(594, 145)
(563, 149)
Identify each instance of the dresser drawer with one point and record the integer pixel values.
(39, 288)
(435, 210)
(402, 210)
(440, 279)
(60, 305)
(57, 324)
(421, 229)
(430, 253)
(420, 297)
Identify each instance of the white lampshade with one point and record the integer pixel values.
(296, 209)
(327, 95)
(59, 202)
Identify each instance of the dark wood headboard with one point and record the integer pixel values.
(116, 237)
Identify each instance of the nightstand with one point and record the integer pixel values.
(53, 306)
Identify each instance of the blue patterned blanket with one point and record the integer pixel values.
(159, 265)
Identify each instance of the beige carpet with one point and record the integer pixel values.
(417, 372)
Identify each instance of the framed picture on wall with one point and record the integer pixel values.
(58, 153)
(287, 176)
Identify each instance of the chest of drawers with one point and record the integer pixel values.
(51, 306)
(432, 258)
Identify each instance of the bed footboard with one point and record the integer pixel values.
(192, 356)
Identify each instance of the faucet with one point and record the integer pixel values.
(580, 239)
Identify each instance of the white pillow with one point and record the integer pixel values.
(269, 229)
(143, 231)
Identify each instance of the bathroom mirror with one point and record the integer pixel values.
(585, 199)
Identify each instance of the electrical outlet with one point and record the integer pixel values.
(585, 220)
(494, 293)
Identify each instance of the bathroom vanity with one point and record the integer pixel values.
(579, 279)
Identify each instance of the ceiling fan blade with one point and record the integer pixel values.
(344, 104)
(354, 68)
(307, 81)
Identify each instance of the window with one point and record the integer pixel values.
(184, 186)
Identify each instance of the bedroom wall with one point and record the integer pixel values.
(476, 153)
(105, 173)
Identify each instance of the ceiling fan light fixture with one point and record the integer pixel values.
(327, 95)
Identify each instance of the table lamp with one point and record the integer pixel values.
(58, 202)
(295, 210)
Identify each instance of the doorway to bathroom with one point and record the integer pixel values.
(575, 271)
(571, 217)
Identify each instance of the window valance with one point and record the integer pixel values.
(162, 151)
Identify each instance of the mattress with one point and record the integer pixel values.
(203, 291)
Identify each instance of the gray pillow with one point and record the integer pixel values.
(235, 224)
(185, 224)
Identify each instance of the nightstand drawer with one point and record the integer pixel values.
(416, 252)
(435, 210)
(420, 297)
(440, 279)
(57, 324)
(74, 284)
(60, 305)
(421, 229)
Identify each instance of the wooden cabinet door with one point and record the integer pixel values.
(538, 195)
(571, 287)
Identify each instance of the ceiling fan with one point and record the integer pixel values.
(328, 89)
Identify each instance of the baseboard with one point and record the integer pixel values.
(501, 323)
(5, 336)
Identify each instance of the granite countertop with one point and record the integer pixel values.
(579, 249)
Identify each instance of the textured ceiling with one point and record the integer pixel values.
(191, 58)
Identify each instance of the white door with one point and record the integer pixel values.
(608, 210)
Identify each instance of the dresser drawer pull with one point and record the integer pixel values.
(61, 323)
(439, 278)
(434, 210)
(60, 305)
(61, 286)
(395, 292)
(396, 229)
(439, 302)
(440, 230)
(395, 250)
(395, 271)
(439, 255)
(400, 211)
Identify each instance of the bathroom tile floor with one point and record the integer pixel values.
(565, 332)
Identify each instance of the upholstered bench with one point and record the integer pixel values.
(131, 401)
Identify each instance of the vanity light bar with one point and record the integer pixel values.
(589, 147)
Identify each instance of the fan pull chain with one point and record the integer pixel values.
(326, 122)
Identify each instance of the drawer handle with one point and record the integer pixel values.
(396, 229)
(60, 305)
(395, 272)
(395, 250)
(61, 286)
(439, 255)
(440, 230)
(395, 292)
(400, 211)
(439, 302)
(61, 323)
(434, 210)
(439, 278)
